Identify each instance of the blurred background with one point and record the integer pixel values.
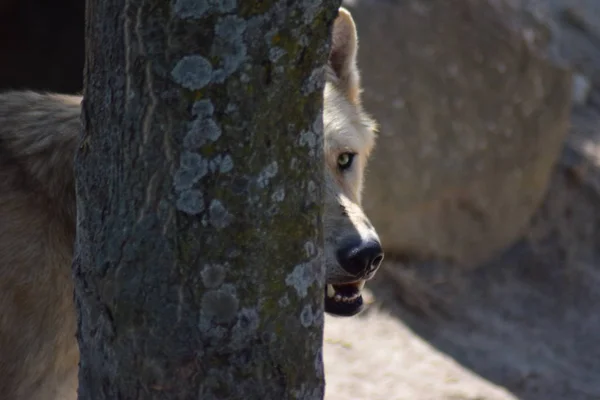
(484, 187)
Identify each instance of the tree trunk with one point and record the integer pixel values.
(198, 263)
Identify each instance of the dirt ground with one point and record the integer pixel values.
(378, 357)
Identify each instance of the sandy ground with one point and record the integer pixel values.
(377, 357)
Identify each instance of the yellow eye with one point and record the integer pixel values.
(345, 160)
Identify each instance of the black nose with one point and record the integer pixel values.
(360, 259)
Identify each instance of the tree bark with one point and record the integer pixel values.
(198, 263)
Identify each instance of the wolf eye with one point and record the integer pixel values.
(345, 160)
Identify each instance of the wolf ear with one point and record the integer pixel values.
(342, 56)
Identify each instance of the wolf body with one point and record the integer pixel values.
(38, 139)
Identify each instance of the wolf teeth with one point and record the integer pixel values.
(332, 294)
(346, 299)
(330, 291)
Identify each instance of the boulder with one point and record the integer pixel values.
(473, 106)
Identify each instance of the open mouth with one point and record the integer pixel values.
(344, 300)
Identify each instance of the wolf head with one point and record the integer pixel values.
(352, 247)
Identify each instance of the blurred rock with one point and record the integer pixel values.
(473, 109)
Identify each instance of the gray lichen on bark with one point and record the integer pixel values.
(198, 264)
